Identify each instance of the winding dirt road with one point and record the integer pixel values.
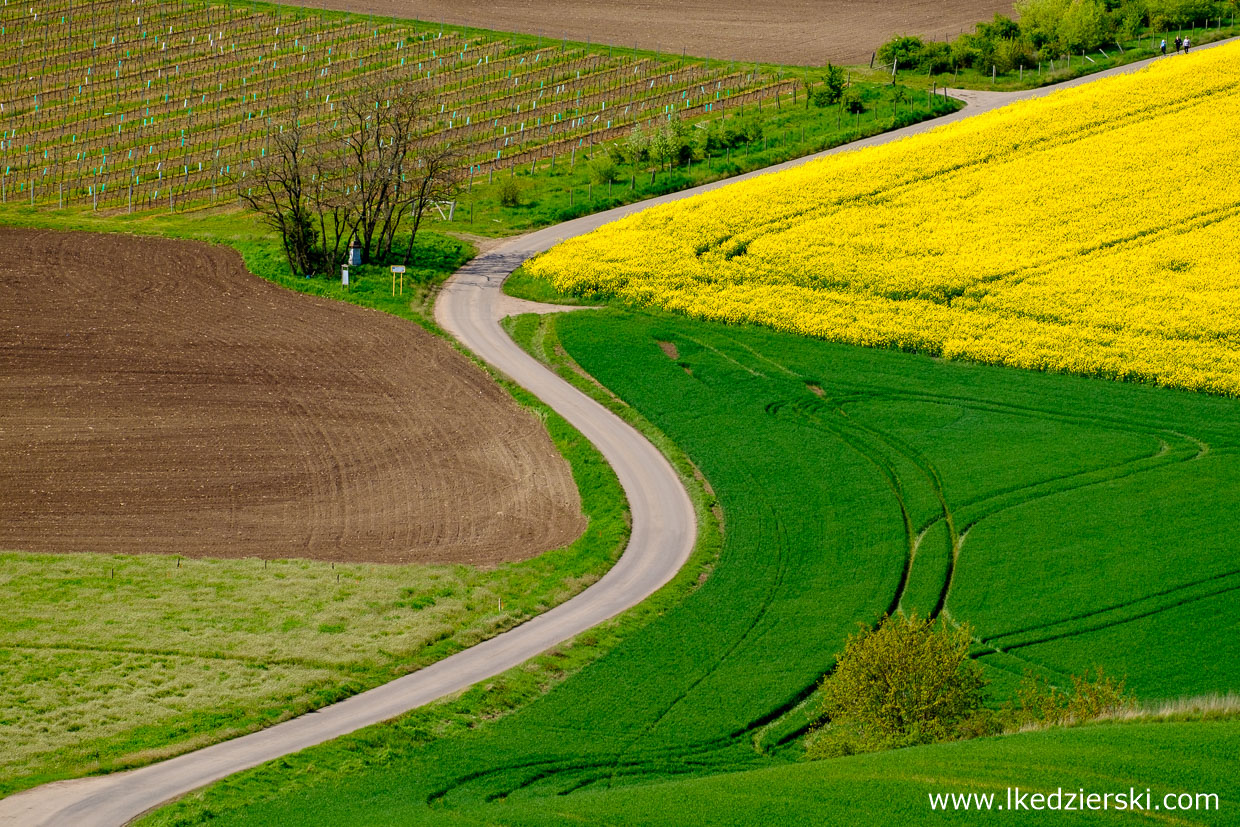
(664, 529)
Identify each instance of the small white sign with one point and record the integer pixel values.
(398, 268)
(344, 275)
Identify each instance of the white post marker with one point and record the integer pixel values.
(398, 268)
(344, 275)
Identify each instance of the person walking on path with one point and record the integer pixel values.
(1163, 47)
(1179, 41)
(1186, 45)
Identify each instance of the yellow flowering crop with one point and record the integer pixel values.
(1093, 231)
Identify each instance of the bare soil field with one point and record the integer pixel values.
(156, 397)
(808, 32)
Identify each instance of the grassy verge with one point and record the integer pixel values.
(829, 462)
(551, 195)
(523, 284)
(113, 661)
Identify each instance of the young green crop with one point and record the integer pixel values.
(1190, 759)
(829, 462)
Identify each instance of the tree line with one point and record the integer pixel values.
(1049, 29)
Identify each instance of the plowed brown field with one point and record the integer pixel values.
(807, 32)
(156, 397)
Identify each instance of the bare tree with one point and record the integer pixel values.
(381, 130)
(276, 190)
(435, 177)
(376, 171)
(333, 204)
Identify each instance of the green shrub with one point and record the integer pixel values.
(510, 192)
(1010, 55)
(970, 51)
(935, 57)
(910, 681)
(1038, 702)
(1187, 12)
(852, 102)
(1085, 26)
(603, 169)
(1039, 19)
(636, 145)
(1000, 29)
(1131, 16)
(903, 49)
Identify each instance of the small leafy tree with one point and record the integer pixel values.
(667, 143)
(1001, 28)
(969, 50)
(752, 127)
(636, 148)
(1039, 19)
(510, 192)
(662, 147)
(1011, 55)
(636, 145)
(1084, 26)
(852, 103)
(910, 681)
(1132, 16)
(834, 81)
(935, 57)
(899, 95)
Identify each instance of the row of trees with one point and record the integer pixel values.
(1048, 29)
(374, 176)
(674, 143)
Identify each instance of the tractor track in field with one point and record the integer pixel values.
(822, 412)
(469, 307)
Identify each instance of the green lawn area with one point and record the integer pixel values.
(832, 467)
(889, 788)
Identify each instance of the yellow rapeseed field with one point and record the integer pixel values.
(1095, 231)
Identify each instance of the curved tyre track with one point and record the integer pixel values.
(663, 534)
